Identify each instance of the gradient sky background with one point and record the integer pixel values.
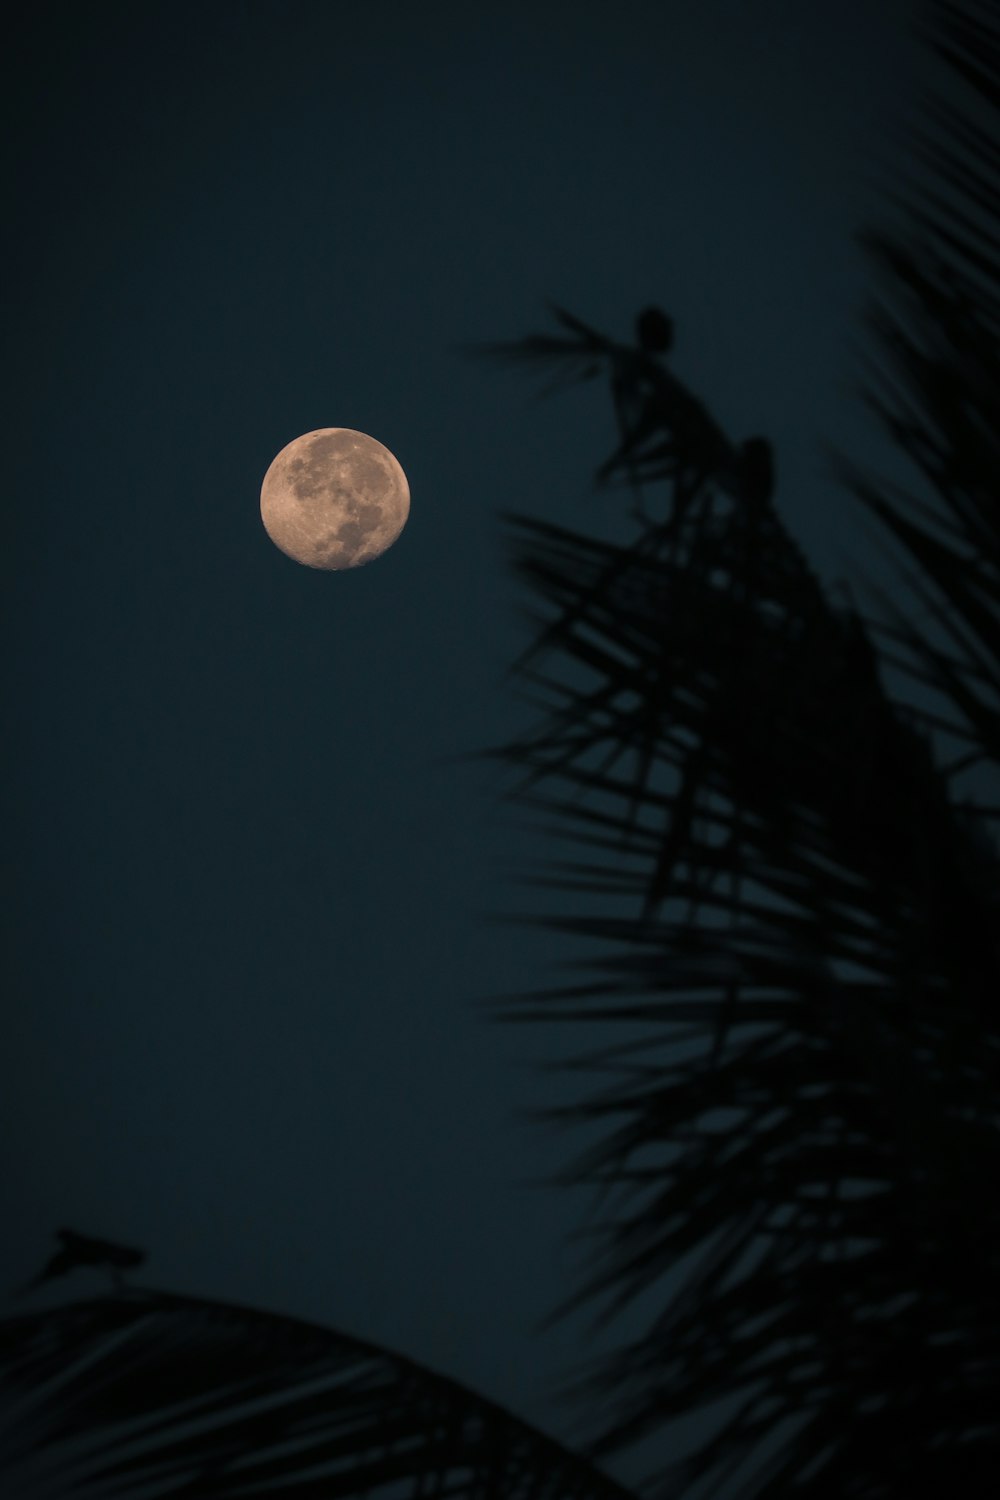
(245, 934)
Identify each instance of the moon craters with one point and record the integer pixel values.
(334, 499)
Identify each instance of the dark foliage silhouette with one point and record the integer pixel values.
(79, 1250)
(810, 1150)
(795, 902)
(654, 330)
(148, 1394)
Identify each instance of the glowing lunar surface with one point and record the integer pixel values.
(334, 498)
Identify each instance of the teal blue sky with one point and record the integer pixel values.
(246, 883)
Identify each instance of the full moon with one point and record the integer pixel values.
(334, 498)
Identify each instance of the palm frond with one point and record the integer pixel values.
(145, 1394)
(937, 390)
(796, 924)
(651, 404)
(812, 902)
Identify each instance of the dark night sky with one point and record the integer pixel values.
(244, 933)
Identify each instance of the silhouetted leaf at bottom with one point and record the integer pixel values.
(146, 1394)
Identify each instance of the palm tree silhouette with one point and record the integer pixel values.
(797, 918)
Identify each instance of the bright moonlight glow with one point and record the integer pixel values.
(334, 498)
